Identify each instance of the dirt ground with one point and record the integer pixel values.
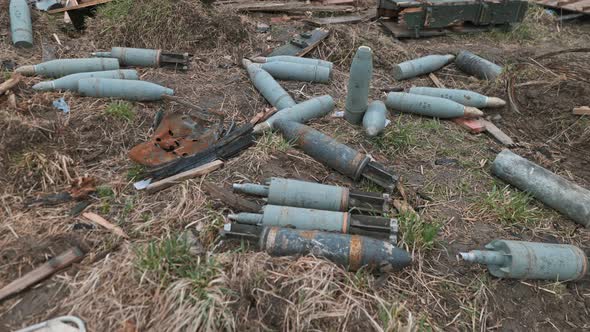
(150, 283)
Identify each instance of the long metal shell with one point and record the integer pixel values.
(290, 71)
(361, 72)
(268, 87)
(546, 186)
(477, 66)
(421, 66)
(304, 218)
(463, 97)
(531, 260)
(375, 118)
(21, 27)
(302, 112)
(350, 251)
(324, 148)
(294, 59)
(429, 106)
(307, 194)
(123, 89)
(63, 67)
(70, 82)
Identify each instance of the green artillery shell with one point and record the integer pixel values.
(302, 112)
(123, 89)
(268, 87)
(530, 260)
(421, 66)
(477, 66)
(350, 251)
(429, 106)
(63, 67)
(375, 118)
(21, 28)
(463, 97)
(294, 59)
(70, 82)
(290, 71)
(546, 186)
(361, 72)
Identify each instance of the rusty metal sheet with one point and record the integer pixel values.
(177, 136)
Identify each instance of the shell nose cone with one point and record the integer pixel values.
(246, 62)
(26, 70)
(495, 102)
(43, 86)
(472, 112)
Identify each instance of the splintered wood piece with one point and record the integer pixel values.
(191, 173)
(498, 133)
(55, 264)
(263, 115)
(83, 5)
(582, 110)
(230, 199)
(104, 223)
(10, 83)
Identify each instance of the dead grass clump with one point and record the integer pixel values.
(38, 171)
(166, 24)
(16, 132)
(305, 293)
(344, 40)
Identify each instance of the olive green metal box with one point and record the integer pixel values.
(438, 17)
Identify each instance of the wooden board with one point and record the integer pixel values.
(287, 7)
(401, 31)
(580, 6)
(43, 271)
(83, 5)
(191, 173)
(498, 133)
(348, 19)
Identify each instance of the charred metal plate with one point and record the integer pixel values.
(177, 136)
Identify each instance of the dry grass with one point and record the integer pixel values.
(183, 25)
(232, 286)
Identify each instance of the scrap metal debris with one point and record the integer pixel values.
(177, 136)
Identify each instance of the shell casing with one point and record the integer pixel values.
(351, 251)
(290, 71)
(123, 89)
(324, 148)
(531, 260)
(427, 105)
(477, 66)
(421, 66)
(375, 118)
(268, 87)
(546, 186)
(21, 26)
(63, 67)
(357, 96)
(302, 112)
(70, 82)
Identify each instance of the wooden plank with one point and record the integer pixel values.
(582, 110)
(288, 7)
(191, 173)
(83, 5)
(105, 223)
(348, 19)
(10, 83)
(436, 81)
(43, 271)
(576, 6)
(498, 133)
(230, 199)
(338, 2)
